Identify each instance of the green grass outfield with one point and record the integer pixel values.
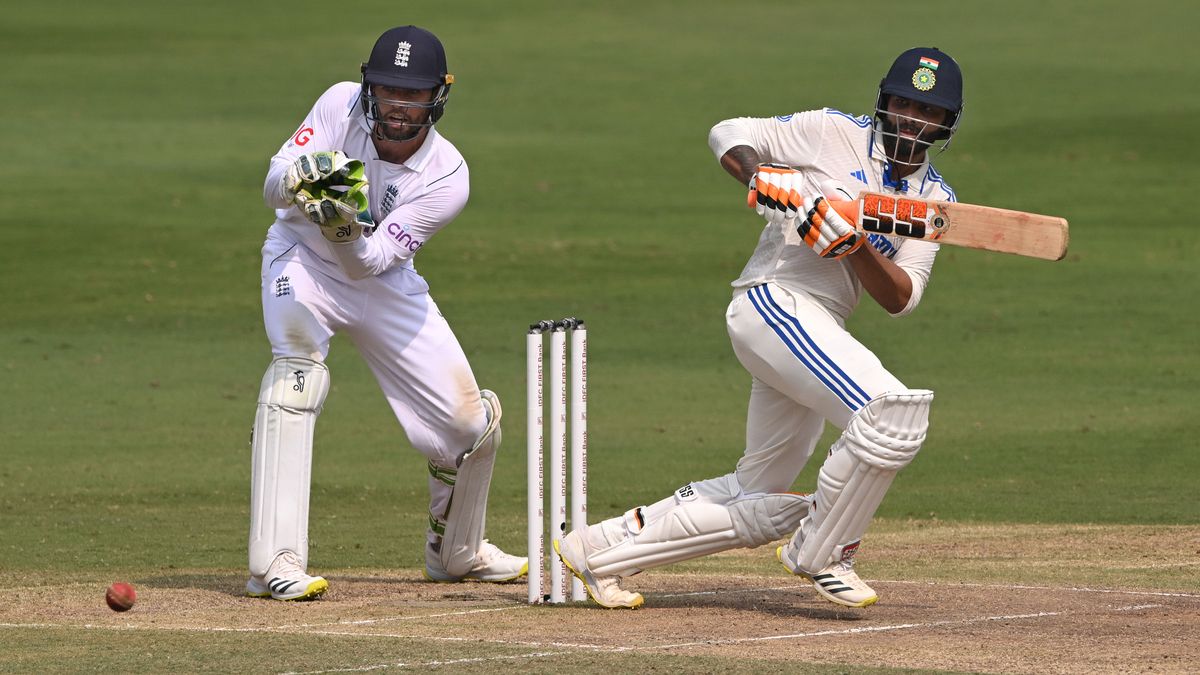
(136, 135)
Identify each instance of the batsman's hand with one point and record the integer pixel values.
(774, 192)
(316, 170)
(341, 213)
(826, 231)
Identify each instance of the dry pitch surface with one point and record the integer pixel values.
(1025, 599)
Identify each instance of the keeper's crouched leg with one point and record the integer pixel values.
(290, 398)
(460, 551)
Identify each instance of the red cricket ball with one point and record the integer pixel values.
(120, 596)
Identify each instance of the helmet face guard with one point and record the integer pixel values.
(390, 129)
(919, 137)
(926, 75)
(410, 58)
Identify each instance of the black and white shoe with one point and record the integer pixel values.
(286, 580)
(838, 583)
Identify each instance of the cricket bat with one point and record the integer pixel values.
(970, 225)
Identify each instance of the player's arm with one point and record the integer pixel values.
(741, 162)
(762, 153)
(741, 144)
(883, 279)
(896, 281)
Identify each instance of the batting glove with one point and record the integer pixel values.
(317, 170)
(774, 192)
(826, 231)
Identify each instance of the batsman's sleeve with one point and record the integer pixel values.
(406, 229)
(915, 258)
(791, 139)
(322, 129)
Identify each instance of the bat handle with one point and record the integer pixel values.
(847, 210)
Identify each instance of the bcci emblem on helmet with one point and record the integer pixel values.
(924, 79)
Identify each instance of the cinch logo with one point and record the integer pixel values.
(303, 135)
(402, 51)
(402, 237)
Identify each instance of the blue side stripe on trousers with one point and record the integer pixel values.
(798, 341)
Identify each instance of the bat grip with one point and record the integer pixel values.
(847, 210)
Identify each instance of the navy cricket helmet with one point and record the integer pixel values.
(927, 75)
(407, 57)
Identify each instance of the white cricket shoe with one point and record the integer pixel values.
(837, 583)
(606, 591)
(491, 564)
(286, 580)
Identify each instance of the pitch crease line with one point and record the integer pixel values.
(428, 664)
(707, 643)
(1019, 587)
(362, 622)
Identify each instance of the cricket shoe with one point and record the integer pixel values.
(286, 580)
(491, 565)
(837, 583)
(606, 591)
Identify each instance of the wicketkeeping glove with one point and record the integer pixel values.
(342, 213)
(826, 231)
(317, 170)
(774, 192)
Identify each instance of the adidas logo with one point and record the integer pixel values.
(860, 175)
(831, 583)
(280, 585)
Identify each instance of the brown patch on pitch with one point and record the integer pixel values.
(963, 597)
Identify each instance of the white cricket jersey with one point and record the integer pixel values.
(409, 202)
(828, 145)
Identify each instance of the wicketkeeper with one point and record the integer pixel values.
(339, 258)
(787, 325)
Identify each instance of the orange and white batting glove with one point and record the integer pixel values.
(774, 192)
(826, 231)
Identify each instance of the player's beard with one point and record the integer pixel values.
(910, 146)
(397, 130)
(398, 127)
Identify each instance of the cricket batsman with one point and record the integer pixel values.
(358, 190)
(787, 324)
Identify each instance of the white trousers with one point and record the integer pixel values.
(401, 335)
(806, 369)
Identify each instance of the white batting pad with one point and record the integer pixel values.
(881, 438)
(467, 510)
(292, 393)
(698, 519)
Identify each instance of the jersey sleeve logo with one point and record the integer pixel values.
(303, 135)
